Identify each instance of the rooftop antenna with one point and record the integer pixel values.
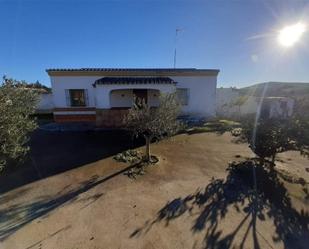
(175, 52)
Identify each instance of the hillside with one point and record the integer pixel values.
(277, 89)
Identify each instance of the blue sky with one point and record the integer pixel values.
(237, 37)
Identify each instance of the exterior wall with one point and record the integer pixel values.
(274, 106)
(202, 94)
(76, 114)
(224, 98)
(46, 103)
(124, 97)
(201, 89)
(102, 92)
(281, 108)
(121, 98)
(61, 83)
(153, 97)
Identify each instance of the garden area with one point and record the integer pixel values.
(199, 195)
(158, 183)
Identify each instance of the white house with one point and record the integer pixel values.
(103, 95)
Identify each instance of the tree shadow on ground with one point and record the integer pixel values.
(55, 152)
(270, 201)
(12, 218)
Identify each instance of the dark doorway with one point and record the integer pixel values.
(140, 94)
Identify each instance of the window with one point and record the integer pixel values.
(183, 95)
(76, 97)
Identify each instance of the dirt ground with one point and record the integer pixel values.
(191, 199)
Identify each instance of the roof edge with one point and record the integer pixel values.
(132, 72)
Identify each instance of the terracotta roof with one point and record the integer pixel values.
(134, 80)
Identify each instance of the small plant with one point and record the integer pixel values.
(129, 156)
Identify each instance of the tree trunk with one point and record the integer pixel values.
(147, 152)
(262, 161)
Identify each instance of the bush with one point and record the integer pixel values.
(16, 106)
(267, 136)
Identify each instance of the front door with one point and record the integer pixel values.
(140, 94)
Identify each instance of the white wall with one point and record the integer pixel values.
(224, 98)
(121, 98)
(202, 91)
(102, 92)
(278, 106)
(45, 102)
(282, 107)
(60, 83)
(124, 97)
(202, 94)
(153, 97)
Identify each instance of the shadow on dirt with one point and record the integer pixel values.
(209, 206)
(55, 152)
(14, 217)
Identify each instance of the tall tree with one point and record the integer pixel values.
(16, 106)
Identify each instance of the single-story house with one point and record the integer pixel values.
(104, 95)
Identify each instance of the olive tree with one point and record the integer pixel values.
(16, 106)
(154, 122)
(269, 136)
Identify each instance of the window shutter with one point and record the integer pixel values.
(67, 97)
(86, 97)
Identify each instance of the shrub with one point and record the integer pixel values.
(16, 106)
(267, 136)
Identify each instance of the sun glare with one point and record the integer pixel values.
(289, 35)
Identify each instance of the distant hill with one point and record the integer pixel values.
(277, 89)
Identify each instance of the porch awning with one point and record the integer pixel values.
(134, 80)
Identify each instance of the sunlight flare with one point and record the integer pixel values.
(291, 34)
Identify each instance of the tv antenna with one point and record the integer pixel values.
(175, 51)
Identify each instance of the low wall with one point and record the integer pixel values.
(110, 118)
(74, 114)
(74, 118)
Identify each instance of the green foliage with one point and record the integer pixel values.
(154, 122)
(219, 126)
(267, 137)
(35, 86)
(301, 108)
(128, 156)
(16, 106)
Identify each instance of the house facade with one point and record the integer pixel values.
(104, 95)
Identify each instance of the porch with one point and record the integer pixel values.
(114, 96)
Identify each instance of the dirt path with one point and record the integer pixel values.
(184, 202)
